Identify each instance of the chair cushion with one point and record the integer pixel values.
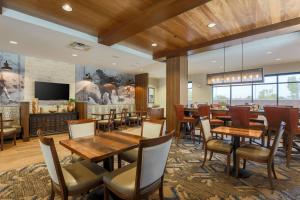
(118, 120)
(104, 121)
(219, 145)
(256, 125)
(253, 152)
(7, 131)
(189, 119)
(216, 122)
(82, 175)
(130, 156)
(134, 118)
(122, 180)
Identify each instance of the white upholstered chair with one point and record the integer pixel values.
(141, 178)
(70, 180)
(150, 129)
(6, 132)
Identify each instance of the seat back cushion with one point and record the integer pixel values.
(206, 129)
(151, 130)
(154, 161)
(82, 129)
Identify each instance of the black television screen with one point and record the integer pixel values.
(51, 91)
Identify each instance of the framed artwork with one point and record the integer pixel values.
(151, 95)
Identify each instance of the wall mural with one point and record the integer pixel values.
(11, 80)
(104, 87)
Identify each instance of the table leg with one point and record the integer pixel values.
(108, 164)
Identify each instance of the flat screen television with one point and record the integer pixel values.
(51, 91)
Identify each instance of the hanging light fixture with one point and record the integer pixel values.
(240, 76)
(87, 76)
(6, 66)
(130, 82)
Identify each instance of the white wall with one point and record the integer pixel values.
(153, 83)
(201, 92)
(37, 69)
(282, 68)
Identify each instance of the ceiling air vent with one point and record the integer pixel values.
(79, 46)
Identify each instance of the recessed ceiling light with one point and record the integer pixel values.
(154, 44)
(13, 42)
(114, 64)
(67, 7)
(74, 54)
(213, 61)
(269, 52)
(211, 25)
(278, 59)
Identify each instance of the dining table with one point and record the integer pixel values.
(237, 134)
(102, 147)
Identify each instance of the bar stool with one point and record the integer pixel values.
(184, 120)
(293, 130)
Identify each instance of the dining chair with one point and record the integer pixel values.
(143, 177)
(107, 123)
(260, 154)
(81, 128)
(69, 180)
(6, 132)
(214, 145)
(240, 117)
(134, 118)
(120, 122)
(292, 131)
(150, 129)
(183, 120)
(204, 111)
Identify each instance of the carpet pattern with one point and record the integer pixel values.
(184, 179)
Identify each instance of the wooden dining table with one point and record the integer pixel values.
(237, 133)
(102, 147)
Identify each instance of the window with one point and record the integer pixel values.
(281, 89)
(221, 94)
(241, 94)
(190, 93)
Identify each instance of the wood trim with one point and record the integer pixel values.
(141, 91)
(280, 28)
(161, 11)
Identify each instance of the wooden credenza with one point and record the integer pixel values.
(50, 123)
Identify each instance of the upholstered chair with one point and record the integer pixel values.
(81, 128)
(214, 145)
(140, 179)
(108, 122)
(260, 154)
(120, 120)
(70, 180)
(204, 111)
(134, 118)
(183, 120)
(293, 130)
(6, 132)
(150, 129)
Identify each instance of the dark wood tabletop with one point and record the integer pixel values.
(240, 132)
(105, 145)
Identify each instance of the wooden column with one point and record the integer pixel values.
(24, 120)
(141, 91)
(177, 92)
(81, 108)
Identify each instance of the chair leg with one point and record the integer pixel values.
(270, 174)
(237, 166)
(2, 141)
(205, 155)
(210, 155)
(161, 191)
(228, 164)
(119, 161)
(52, 196)
(15, 138)
(244, 163)
(273, 169)
(289, 149)
(106, 193)
(269, 138)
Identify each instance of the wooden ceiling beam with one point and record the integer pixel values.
(160, 12)
(1, 7)
(279, 28)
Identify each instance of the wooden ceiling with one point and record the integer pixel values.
(177, 26)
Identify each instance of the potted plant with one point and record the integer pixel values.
(71, 105)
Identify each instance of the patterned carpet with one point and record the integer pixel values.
(184, 179)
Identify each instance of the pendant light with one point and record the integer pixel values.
(6, 66)
(87, 76)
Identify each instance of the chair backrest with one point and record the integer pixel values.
(204, 110)
(205, 125)
(152, 159)
(81, 128)
(292, 122)
(275, 115)
(112, 113)
(152, 128)
(276, 142)
(1, 124)
(179, 111)
(51, 160)
(240, 116)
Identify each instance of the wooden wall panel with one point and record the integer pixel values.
(24, 119)
(177, 80)
(141, 91)
(81, 109)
